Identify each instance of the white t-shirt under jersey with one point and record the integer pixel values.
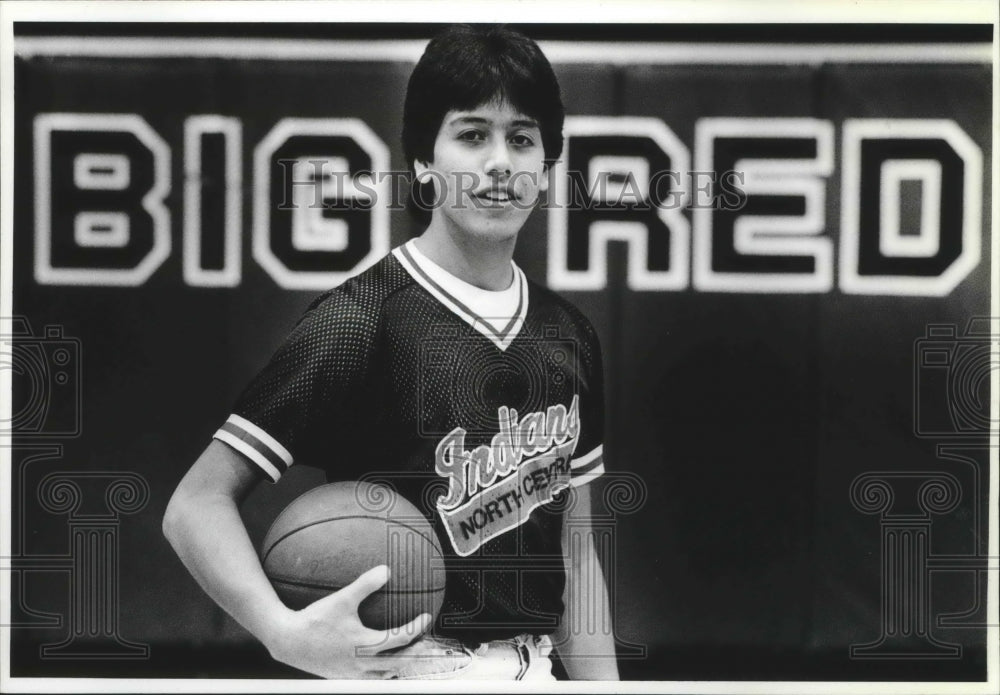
(496, 307)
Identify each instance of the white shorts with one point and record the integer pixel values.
(525, 657)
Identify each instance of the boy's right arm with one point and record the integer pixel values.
(203, 524)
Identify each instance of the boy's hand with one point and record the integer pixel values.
(327, 638)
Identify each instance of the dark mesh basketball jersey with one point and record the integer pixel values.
(391, 378)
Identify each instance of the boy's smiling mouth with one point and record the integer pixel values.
(496, 195)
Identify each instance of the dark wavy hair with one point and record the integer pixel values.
(466, 66)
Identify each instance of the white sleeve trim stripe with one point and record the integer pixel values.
(587, 459)
(587, 477)
(262, 436)
(251, 453)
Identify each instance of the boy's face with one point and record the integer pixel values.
(487, 171)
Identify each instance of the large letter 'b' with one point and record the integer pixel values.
(100, 181)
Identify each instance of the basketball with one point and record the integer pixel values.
(330, 535)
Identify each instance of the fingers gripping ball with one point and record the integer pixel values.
(332, 534)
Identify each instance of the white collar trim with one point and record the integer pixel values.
(502, 337)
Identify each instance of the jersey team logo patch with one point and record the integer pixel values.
(494, 488)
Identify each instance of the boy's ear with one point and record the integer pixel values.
(420, 169)
(543, 180)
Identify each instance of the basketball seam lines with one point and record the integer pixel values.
(309, 585)
(339, 518)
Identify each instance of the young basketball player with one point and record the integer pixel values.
(442, 365)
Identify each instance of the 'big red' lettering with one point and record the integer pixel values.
(911, 199)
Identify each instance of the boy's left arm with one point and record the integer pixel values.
(585, 638)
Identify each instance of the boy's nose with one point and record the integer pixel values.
(498, 162)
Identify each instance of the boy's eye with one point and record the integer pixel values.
(522, 140)
(471, 136)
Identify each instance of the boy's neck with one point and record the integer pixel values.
(483, 264)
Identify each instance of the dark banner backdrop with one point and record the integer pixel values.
(746, 412)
